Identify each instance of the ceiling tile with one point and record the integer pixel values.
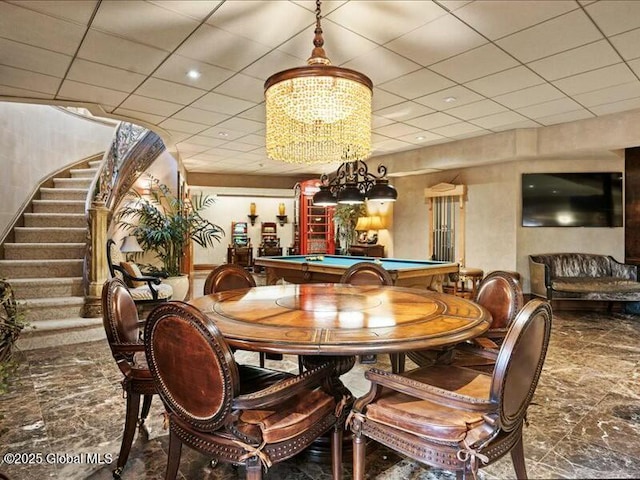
(499, 119)
(504, 82)
(175, 69)
(257, 113)
(454, 5)
(78, 11)
(436, 41)
(394, 65)
(475, 63)
(244, 87)
(44, 31)
(223, 133)
(255, 20)
(169, 91)
(241, 125)
(399, 17)
(457, 129)
(554, 107)
(565, 117)
(628, 44)
(207, 141)
(177, 137)
(223, 48)
(377, 121)
(239, 146)
(273, 62)
(22, 92)
(449, 98)
(581, 59)
(196, 9)
(635, 66)
(609, 94)
(27, 57)
(104, 76)
(150, 105)
(216, 102)
(340, 44)
(14, 77)
(392, 145)
(489, 17)
(553, 36)
(396, 130)
(253, 139)
(416, 84)
(144, 23)
(529, 96)
(90, 93)
(188, 149)
(596, 79)
(133, 115)
(382, 99)
(421, 138)
(433, 120)
(615, 107)
(477, 109)
(404, 111)
(197, 115)
(615, 17)
(183, 126)
(118, 52)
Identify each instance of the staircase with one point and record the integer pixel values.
(45, 264)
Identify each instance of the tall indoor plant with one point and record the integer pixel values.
(165, 223)
(345, 218)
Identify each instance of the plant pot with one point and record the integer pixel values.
(180, 286)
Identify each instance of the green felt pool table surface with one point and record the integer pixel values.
(317, 268)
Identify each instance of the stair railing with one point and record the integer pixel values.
(133, 149)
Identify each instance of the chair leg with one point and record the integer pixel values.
(173, 460)
(397, 362)
(300, 366)
(336, 452)
(254, 469)
(146, 406)
(131, 419)
(517, 457)
(359, 450)
(262, 357)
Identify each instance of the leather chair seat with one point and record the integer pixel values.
(429, 419)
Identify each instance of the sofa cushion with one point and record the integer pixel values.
(594, 284)
(576, 264)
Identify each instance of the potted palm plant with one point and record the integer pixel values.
(165, 224)
(345, 218)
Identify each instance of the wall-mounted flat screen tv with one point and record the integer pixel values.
(585, 199)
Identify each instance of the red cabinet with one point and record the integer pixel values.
(317, 232)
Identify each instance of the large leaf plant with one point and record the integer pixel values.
(164, 223)
(345, 218)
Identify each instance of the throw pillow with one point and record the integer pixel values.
(133, 270)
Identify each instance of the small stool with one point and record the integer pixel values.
(466, 274)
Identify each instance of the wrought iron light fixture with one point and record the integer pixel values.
(318, 113)
(353, 184)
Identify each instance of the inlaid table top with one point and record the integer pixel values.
(338, 319)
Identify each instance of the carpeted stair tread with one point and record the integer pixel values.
(58, 206)
(50, 234)
(27, 288)
(67, 331)
(43, 251)
(83, 172)
(54, 308)
(54, 220)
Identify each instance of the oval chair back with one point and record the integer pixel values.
(119, 313)
(501, 293)
(366, 273)
(191, 364)
(520, 361)
(228, 277)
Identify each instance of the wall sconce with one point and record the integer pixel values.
(282, 218)
(252, 213)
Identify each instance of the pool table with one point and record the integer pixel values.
(315, 268)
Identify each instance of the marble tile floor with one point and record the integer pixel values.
(585, 422)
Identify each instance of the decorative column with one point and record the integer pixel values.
(97, 268)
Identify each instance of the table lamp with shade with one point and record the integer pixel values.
(367, 224)
(130, 247)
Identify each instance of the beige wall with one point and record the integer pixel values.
(494, 238)
(35, 141)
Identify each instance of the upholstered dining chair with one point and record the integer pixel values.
(121, 324)
(231, 276)
(499, 292)
(369, 273)
(240, 414)
(456, 418)
(366, 273)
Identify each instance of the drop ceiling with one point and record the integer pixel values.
(443, 70)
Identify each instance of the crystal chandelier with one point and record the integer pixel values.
(352, 184)
(318, 113)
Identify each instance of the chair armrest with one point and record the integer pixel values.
(402, 384)
(127, 347)
(289, 387)
(622, 270)
(145, 278)
(540, 279)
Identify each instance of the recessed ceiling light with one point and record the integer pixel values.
(193, 74)
(449, 99)
(223, 134)
(420, 137)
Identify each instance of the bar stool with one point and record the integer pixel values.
(467, 275)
